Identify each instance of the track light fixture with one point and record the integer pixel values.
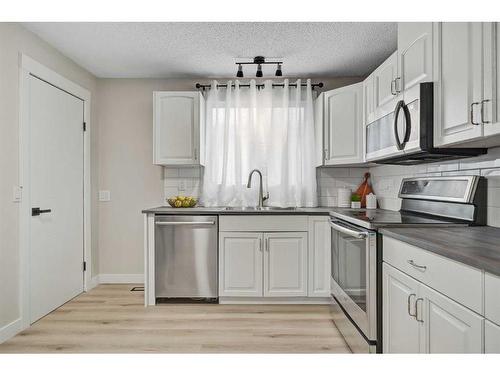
(239, 74)
(278, 73)
(259, 61)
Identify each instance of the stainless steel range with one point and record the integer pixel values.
(356, 249)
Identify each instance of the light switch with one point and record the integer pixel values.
(17, 193)
(104, 195)
(182, 185)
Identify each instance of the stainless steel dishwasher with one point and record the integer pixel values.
(186, 258)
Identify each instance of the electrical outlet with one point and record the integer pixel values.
(182, 185)
(17, 193)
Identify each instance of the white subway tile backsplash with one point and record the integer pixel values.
(189, 172)
(171, 172)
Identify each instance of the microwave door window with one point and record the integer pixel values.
(351, 263)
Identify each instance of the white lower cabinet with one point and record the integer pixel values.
(448, 327)
(491, 337)
(417, 319)
(319, 258)
(255, 264)
(285, 264)
(240, 264)
(400, 328)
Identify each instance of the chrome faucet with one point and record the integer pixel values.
(262, 198)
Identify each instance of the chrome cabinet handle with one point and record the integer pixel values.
(325, 154)
(195, 154)
(472, 113)
(260, 244)
(409, 304)
(482, 111)
(416, 310)
(396, 85)
(412, 263)
(393, 87)
(266, 244)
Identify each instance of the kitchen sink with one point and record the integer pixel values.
(260, 208)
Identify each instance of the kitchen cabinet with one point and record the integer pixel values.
(319, 260)
(491, 337)
(384, 78)
(447, 326)
(400, 328)
(240, 264)
(491, 97)
(285, 264)
(369, 100)
(418, 319)
(178, 121)
(343, 116)
(415, 58)
(459, 82)
(263, 264)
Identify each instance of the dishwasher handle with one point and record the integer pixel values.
(185, 223)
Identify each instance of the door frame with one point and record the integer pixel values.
(29, 67)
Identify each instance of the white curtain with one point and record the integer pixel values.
(271, 129)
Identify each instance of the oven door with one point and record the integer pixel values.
(353, 275)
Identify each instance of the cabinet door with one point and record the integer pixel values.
(285, 264)
(448, 327)
(459, 82)
(491, 337)
(385, 90)
(240, 264)
(491, 97)
(414, 57)
(176, 127)
(343, 125)
(369, 100)
(400, 328)
(319, 257)
(319, 151)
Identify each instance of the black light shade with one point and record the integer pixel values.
(278, 73)
(239, 74)
(259, 71)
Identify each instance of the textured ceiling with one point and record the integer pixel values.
(192, 50)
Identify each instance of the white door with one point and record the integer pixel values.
(400, 327)
(343, 125)
(385, 86)
(448, 327)
(459, 87)
(319, 256)
(177, 122)
(285, 264)
(414, 57)
(56, 184)
(240, 264)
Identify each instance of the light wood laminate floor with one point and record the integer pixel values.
(112, 319)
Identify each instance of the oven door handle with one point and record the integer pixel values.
(346, 230)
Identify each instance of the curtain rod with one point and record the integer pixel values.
(313, 85)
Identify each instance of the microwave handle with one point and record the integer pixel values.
(348, 231)
(401, 105)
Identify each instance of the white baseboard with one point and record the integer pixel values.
(10, 330)
(94, 281)
(274, 300)
(116, 278)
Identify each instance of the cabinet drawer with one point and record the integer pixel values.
(492, 297)
(491, 337)
(457, 281)
(263, 223)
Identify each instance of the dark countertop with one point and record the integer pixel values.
(477, 247)
(165, 210)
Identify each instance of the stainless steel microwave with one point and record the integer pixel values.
(406, 135)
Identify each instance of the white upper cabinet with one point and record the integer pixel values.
(384, 78)
(369, 99)
(490, 105)
(459, 82)
(415, 57)
(343, 116)
(178, 127)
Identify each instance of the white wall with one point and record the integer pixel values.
(386, 179)
(14, 40)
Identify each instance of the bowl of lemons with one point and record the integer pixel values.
(181, 201)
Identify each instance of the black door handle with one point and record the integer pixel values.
(36, 211)
(401, 105)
